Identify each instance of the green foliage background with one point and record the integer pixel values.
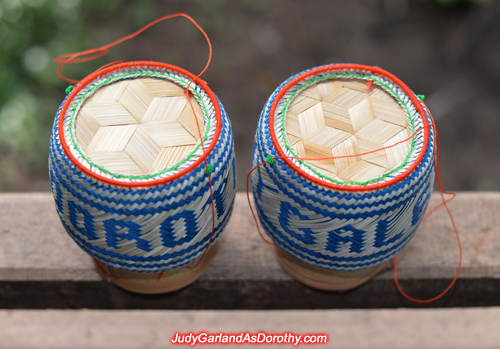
(32, 33)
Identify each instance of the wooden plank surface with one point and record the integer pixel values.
(41, 266)
(395, 328)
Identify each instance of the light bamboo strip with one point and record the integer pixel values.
(361, 114)
(111, 114)
(164, 109)
(346, 98)
(136, 98)
(301, 103)
(310, 122)
(397, 154)
(361, 171)
(169, 134)
(346, 117)
(143, 149)
(325, 90)
(139, 126)
(169, 156)
(337, 117)
(117, 162)
(388, 110)
(108, 93)
(111, 138)
(347, 147)
(88, 127)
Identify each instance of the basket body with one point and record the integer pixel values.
(325, 226)
(154, 225)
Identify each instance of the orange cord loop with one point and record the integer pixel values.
(437, 170)
(95, 53)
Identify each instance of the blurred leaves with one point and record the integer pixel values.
(32, 33)
(257, 44)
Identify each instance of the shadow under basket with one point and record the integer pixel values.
(324, 279)
(155, 283)
(348, 184)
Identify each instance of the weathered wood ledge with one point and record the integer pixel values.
(41, 267)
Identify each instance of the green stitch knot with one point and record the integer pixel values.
(271, 160)
(422, 97)
(69, 88)
(209, 169)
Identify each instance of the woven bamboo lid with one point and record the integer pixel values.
(138, 126)
(346, 117)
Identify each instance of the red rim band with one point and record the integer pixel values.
(374, 70)
(98, 74)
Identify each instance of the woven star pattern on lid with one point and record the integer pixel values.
(138, 126)
(346, 117)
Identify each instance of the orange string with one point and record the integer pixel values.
(159, 276)
(109, 64)
(313, 159)
(92, 54)
(106, 275)
(437, 169)
(95, 53)
(188, 96)
(360, 154)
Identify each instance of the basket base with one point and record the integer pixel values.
(152, 283)
(324, 279)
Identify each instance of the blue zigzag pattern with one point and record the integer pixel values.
(107, 221)
(336, 229)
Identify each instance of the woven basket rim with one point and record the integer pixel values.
(97, 74)
(356, 188)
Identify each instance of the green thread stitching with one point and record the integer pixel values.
(271, 160)
(208, 169)
(283, 129)
(137, 176)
